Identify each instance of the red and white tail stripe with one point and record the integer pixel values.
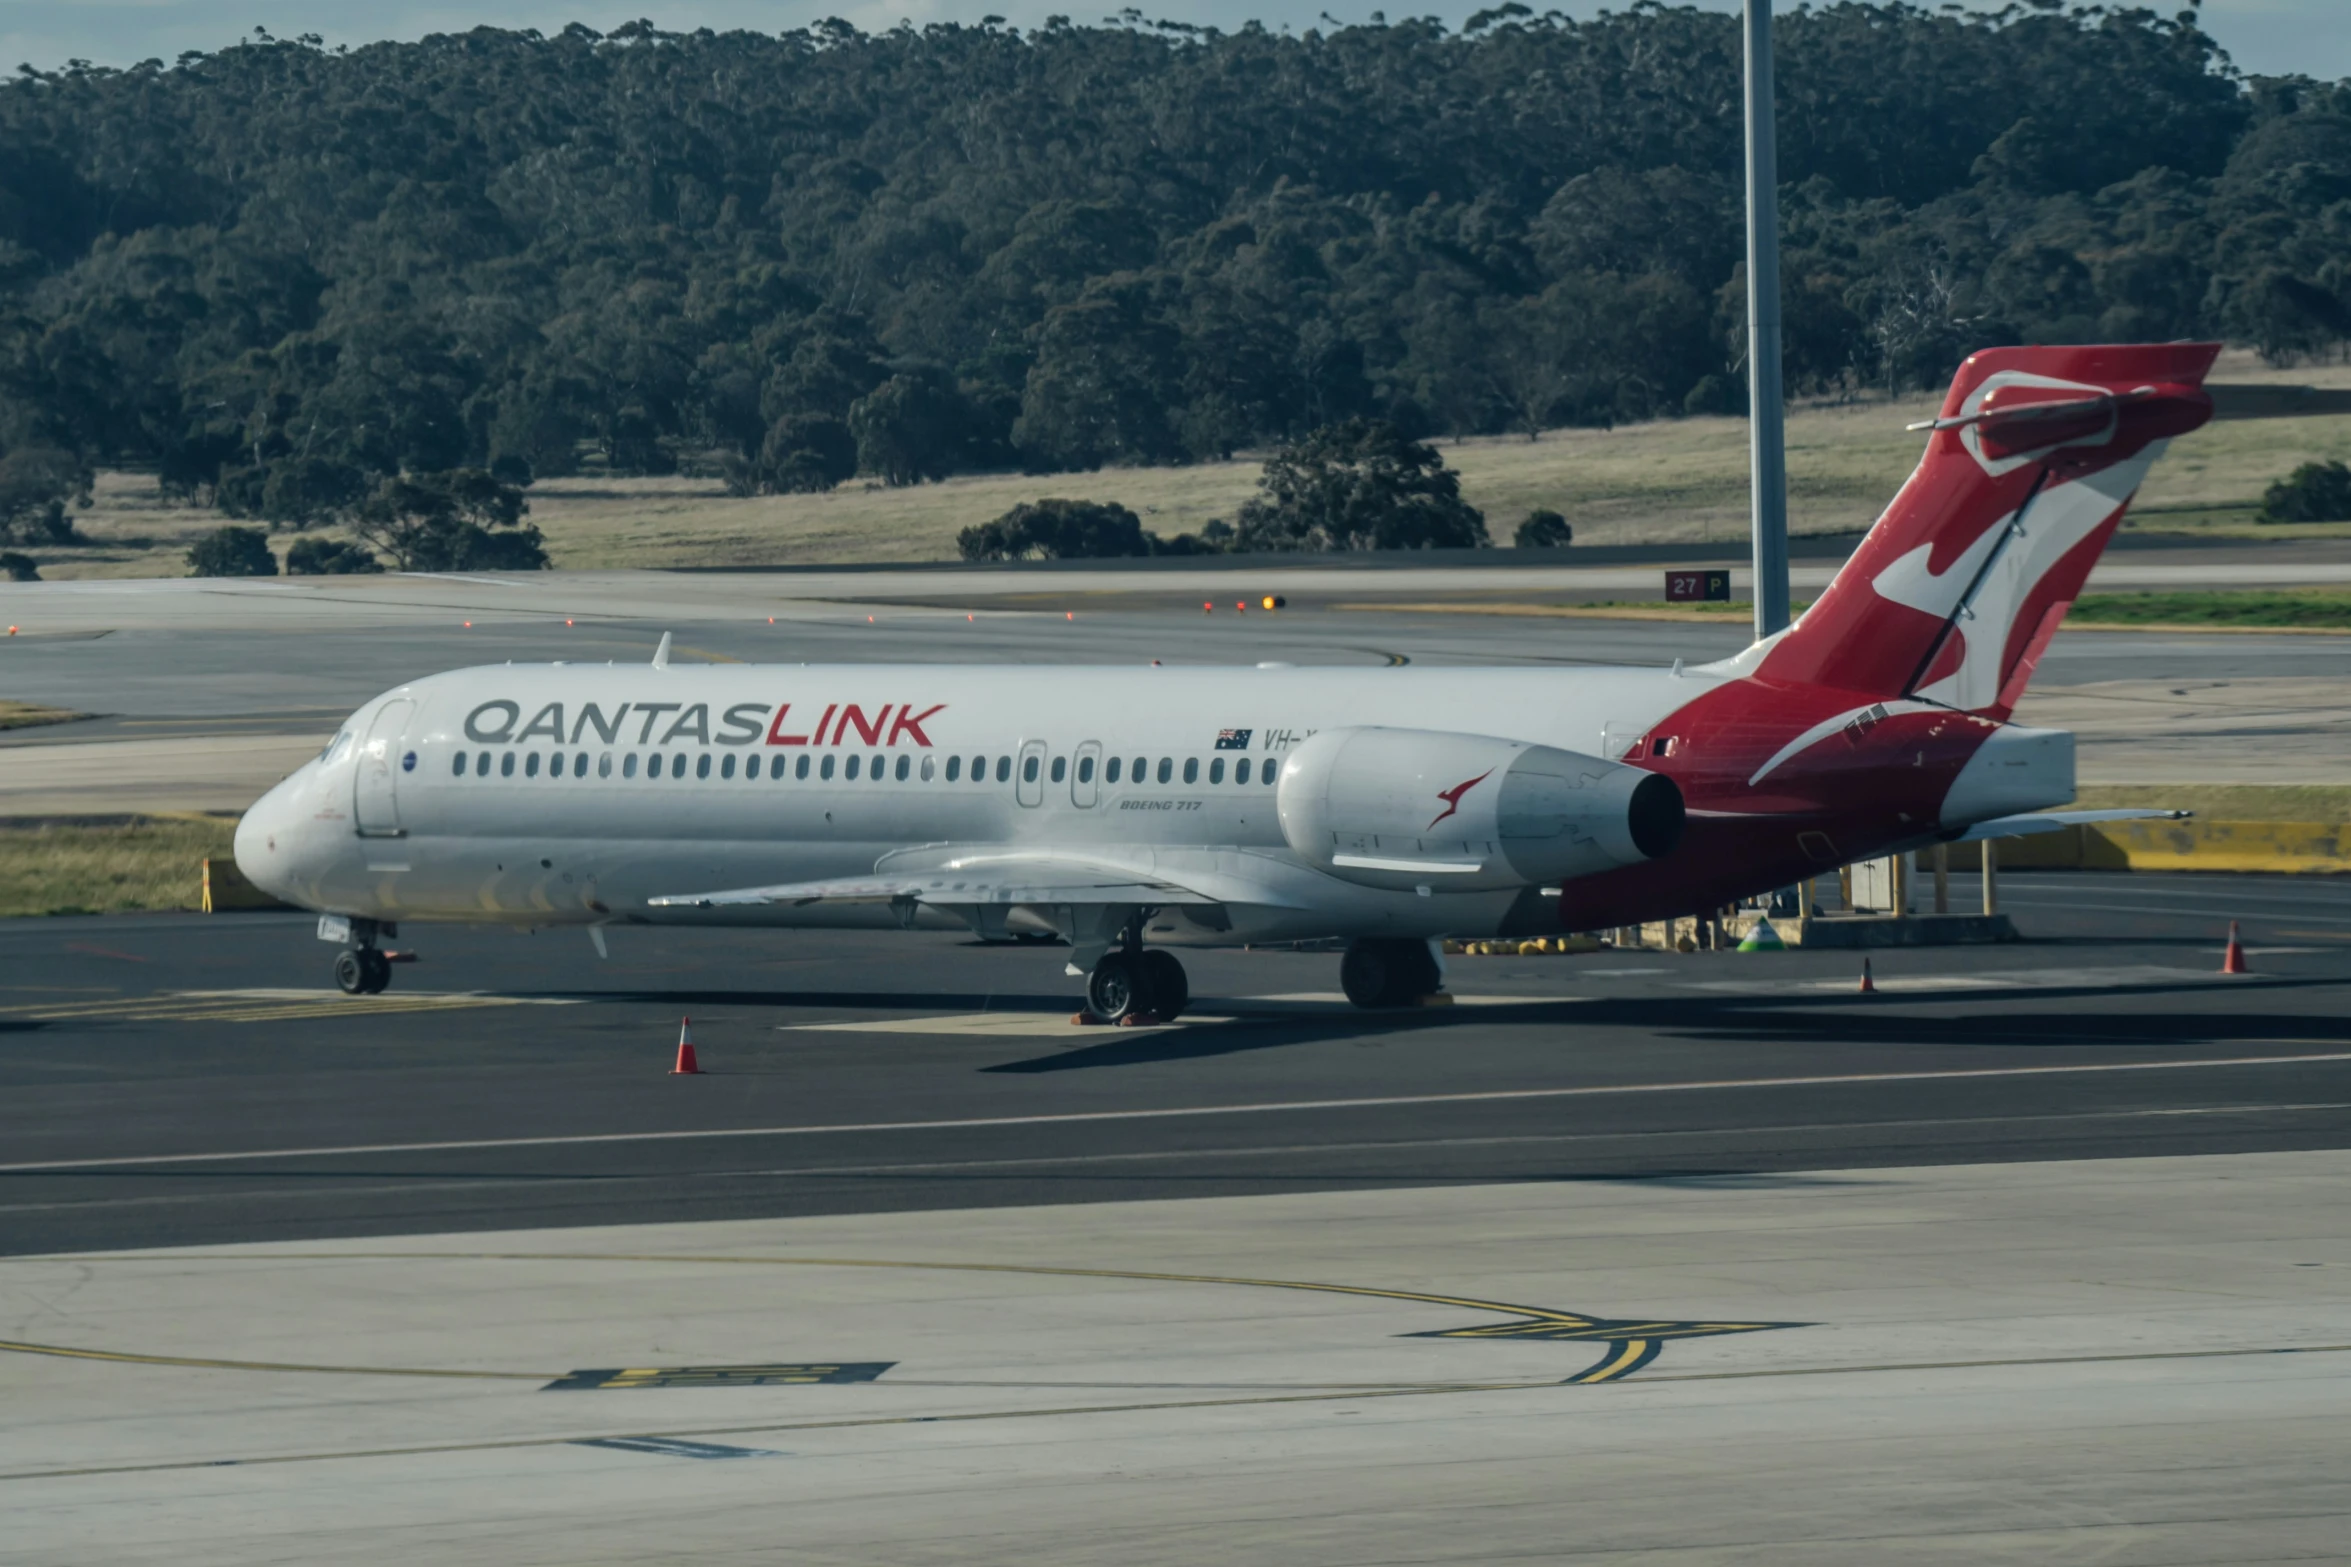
(1957, 590)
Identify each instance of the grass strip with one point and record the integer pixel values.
(27, 715)
(2251, 608)
(2230, 609)
(141, 864)
(2226, 802)
(1599, 609)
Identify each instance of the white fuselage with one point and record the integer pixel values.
(527, 794)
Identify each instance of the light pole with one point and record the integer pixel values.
(1766, 439)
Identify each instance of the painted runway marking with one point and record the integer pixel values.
(1030, 1025)
(1277, 1107)
(794, 1375)
(201, 1363)
(412, 1187)
(991, 1025)
(1629, 1343)
(2005, 979)
(265, 1006)
(1335, 998)
(673, 1447)
(972, 1416)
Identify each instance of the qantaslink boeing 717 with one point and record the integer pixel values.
(1135, 810)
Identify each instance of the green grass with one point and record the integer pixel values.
(2325, 609)
(106, 869)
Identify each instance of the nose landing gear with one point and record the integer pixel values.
(362, 971)
(363, 968)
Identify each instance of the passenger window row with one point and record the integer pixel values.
(558, 764)
(659, 764)
(1143, 772)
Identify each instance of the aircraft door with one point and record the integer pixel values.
(376, 805)
(1085, 781)
(1028, 776)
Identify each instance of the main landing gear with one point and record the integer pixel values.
(1388, 971)
(1132, 982)
(363, 968)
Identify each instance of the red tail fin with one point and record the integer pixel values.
(1957, 590)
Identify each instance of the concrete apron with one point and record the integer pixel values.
(2136, 1360)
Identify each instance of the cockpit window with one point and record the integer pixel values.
(338, 748)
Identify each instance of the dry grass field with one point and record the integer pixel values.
(78, 869)
(28, 715)
(1674, 481)
(2226, 802)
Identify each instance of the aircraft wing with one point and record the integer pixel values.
(2050, 821)
(966, 881)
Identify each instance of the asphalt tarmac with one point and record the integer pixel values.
(2035, 1254)
(190, 653)
(194, 679)
(190, 1080)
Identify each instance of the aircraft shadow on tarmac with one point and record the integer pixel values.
(1816, 1019)
(827, 1000)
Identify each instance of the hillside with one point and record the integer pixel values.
(1660, 482)
(285, 280)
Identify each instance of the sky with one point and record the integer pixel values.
(2263, 36)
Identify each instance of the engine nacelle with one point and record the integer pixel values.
(1405, 808)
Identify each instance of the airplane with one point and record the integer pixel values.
(1134, 810)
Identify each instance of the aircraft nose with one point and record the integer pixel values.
(265, 842)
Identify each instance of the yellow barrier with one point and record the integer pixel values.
(226, 890)
(1512, 947)
(2303, 848)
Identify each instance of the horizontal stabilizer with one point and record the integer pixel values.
(2051, 821)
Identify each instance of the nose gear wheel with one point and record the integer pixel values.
(362, 971)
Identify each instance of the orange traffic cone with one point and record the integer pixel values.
(687, 1066)
(1868, 986)
(2232, 961)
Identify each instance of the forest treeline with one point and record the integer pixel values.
(287, 278)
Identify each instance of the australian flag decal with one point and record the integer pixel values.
(1233, 739)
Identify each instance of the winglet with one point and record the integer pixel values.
(661, 653)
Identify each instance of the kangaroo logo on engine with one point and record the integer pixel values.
(1452, 796)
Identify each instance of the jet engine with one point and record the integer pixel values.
(1411, 808)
